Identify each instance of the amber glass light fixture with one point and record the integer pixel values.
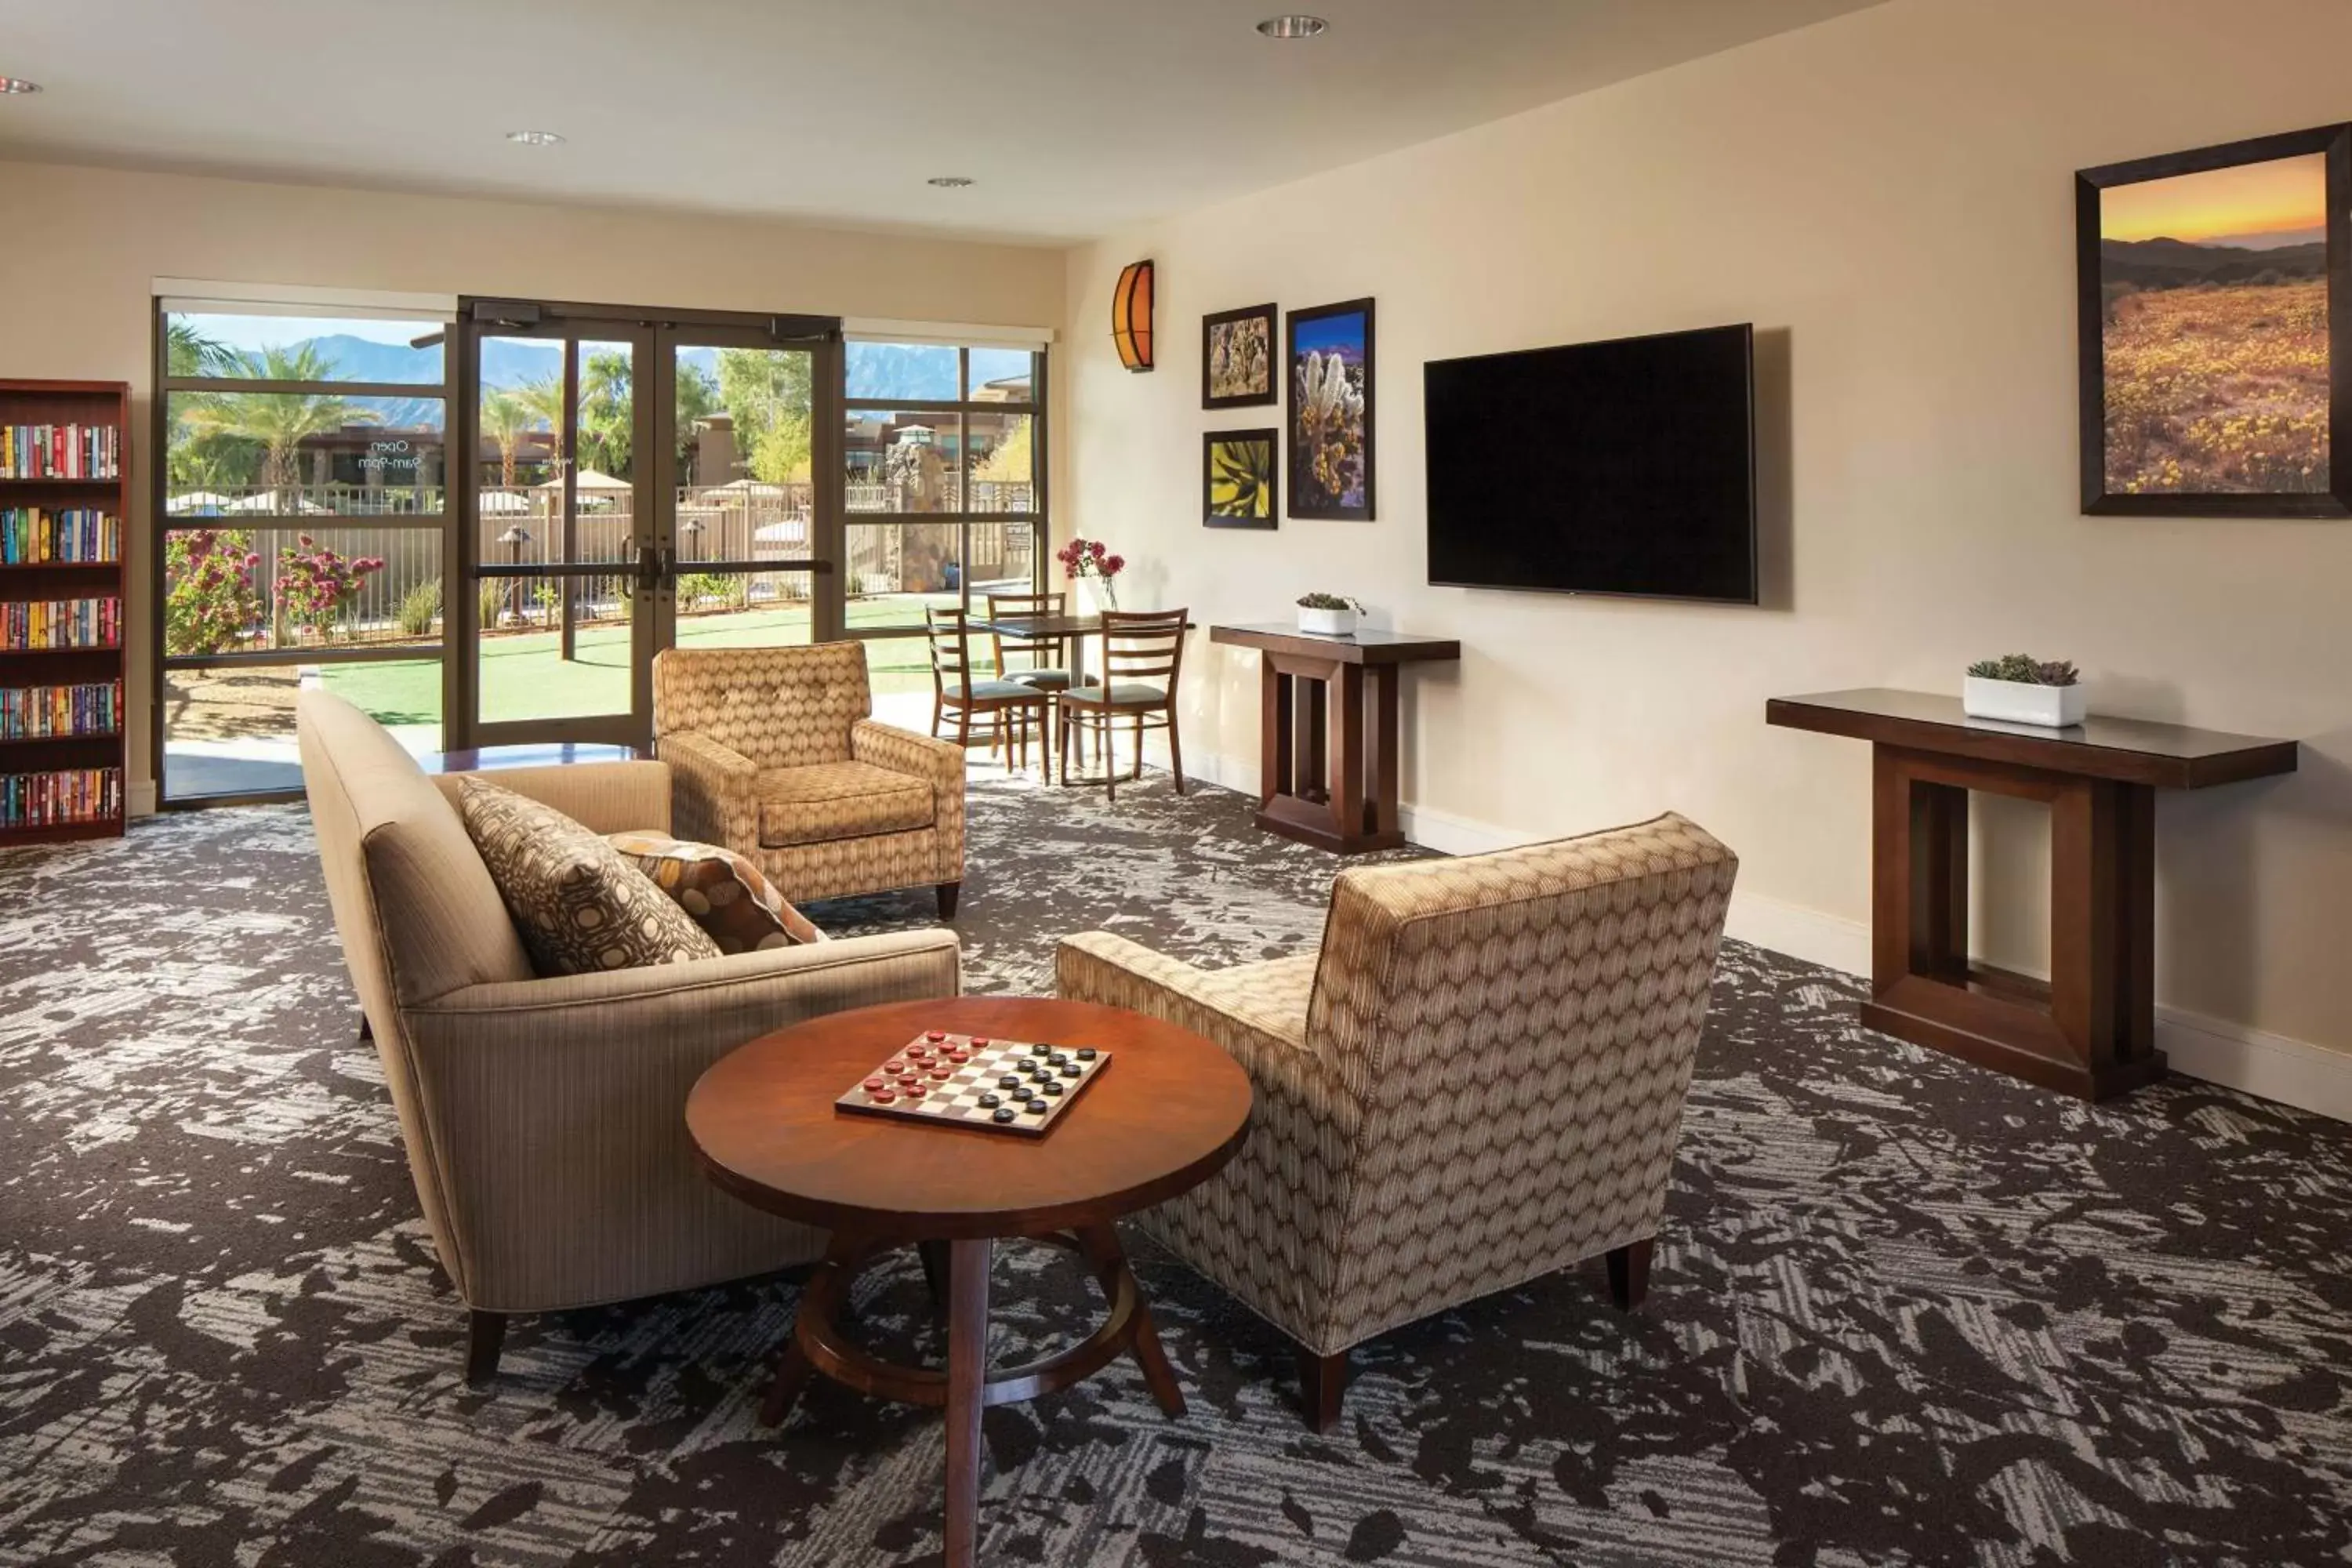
(1130, 316)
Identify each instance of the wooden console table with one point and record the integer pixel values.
(1328, 775)
(2090, 1030)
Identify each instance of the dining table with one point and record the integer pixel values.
(1075, 630)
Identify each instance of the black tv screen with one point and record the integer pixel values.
(1616, 467)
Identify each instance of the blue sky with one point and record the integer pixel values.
(251, 332)
(1345, 333)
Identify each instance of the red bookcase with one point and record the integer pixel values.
(39, 487)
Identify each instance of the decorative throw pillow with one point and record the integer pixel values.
(577, 904)
(735, 906)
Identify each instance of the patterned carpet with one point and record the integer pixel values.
(1905, 1312)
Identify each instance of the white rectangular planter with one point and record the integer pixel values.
(1326, 622)
(2021, 703)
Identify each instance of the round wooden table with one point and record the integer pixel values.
(1168, 1111)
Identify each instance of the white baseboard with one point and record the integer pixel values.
(140, 799)
(2269, 1066)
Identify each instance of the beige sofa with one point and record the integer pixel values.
(774, 753)
(1478, 1080)
(544, 1119)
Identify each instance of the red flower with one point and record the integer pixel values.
(1113, 565)
(1094, 548)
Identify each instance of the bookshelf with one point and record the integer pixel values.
(65, 511)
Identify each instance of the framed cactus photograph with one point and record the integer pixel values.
(1237, 358)
(1241, 481)
(1329, 354)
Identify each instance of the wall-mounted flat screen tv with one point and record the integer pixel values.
(1626, 467)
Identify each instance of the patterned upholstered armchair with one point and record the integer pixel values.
(772, 753)
(1479, 1079)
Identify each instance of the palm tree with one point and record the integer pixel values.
(187, 351)
(544, 399)
(606, 407)
(279, 422)
(506, 419)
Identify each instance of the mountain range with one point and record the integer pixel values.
(2175, 263)
(878, 370)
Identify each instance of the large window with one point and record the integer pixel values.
(944, 504)
(302, 515)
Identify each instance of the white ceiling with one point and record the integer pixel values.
(1075, 117)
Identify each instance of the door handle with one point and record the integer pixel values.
(651, 568)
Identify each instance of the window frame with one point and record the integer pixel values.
(443, 524)
(963, 518)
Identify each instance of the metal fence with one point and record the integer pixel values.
(740, 521)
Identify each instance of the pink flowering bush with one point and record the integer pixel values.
(317, 588)
(210, 603)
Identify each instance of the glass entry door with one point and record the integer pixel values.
(747, 539)
(638, 483)
(563, 524)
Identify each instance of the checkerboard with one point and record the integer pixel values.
(971, 1080)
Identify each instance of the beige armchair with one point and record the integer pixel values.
(1477, 1080)
(544, 1120)
(772, 753)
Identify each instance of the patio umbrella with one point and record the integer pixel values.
(502, 503)
(589, 480)
(197, 503)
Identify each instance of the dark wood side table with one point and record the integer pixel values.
(2090, 1030)
(1327, 772)
(1168, 1111)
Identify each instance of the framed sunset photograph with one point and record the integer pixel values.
(1237, 358)
(1329, 360)
(1240, 482)
(2215, 325)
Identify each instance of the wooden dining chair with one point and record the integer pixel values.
(1142, 653)
(1012, 712)
(1046, 663)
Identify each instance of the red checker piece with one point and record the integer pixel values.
(882, 1096)
(936, 1035)
(874, 1083)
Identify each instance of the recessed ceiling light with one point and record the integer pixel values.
(17, 84)
(952, 181)
(1292, 26)
(535, 138)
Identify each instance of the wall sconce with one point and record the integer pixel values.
(1130, 316)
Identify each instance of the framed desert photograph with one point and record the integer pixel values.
(1329, 360)
(1240, 483)
(2215, 330)
(1237, 358)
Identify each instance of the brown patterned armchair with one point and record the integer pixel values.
(772, 753)
(1479, 1079)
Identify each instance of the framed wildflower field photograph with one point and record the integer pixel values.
(2215, 330)
(1330, 356)
(1237, 358)
(1240, 483)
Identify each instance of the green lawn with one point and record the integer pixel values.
(523, 677)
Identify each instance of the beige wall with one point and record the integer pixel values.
(85, 244)
(1887, 197)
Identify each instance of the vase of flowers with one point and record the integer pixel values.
(1090, 564)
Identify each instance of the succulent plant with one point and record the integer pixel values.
(2026, 670)
(1330, 602)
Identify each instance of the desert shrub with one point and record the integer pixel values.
(418, 608)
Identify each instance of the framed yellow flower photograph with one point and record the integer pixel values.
(2214, 319)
